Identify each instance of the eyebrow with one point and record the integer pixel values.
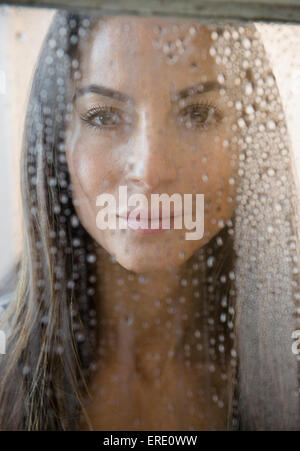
(199, 88)
(107, 92)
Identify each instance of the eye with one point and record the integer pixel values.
(199, 115)
(105, 117)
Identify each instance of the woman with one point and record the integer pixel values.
(126, 329)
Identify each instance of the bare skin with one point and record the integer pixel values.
(151, 371)
(151, 366)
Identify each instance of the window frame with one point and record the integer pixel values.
(277, 11)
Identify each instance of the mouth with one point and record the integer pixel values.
(144, 222)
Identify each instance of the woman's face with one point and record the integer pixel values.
(142, 128)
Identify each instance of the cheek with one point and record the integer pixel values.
(210, 163)
(93, 168)
(211, 169)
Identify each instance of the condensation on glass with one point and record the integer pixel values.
(142, 329)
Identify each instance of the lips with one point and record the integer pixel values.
(143, 222)
(149, 217)
(146, 214)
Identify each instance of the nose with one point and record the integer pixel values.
(154, 154)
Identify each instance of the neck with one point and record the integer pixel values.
(146, 321)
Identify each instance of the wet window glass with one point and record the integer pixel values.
(149, 272)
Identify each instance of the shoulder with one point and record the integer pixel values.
(8, 285)
(5, 300)
(5, 324)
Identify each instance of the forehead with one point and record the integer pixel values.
(132, 51)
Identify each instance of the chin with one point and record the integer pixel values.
(141, 264)
(144, 260)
